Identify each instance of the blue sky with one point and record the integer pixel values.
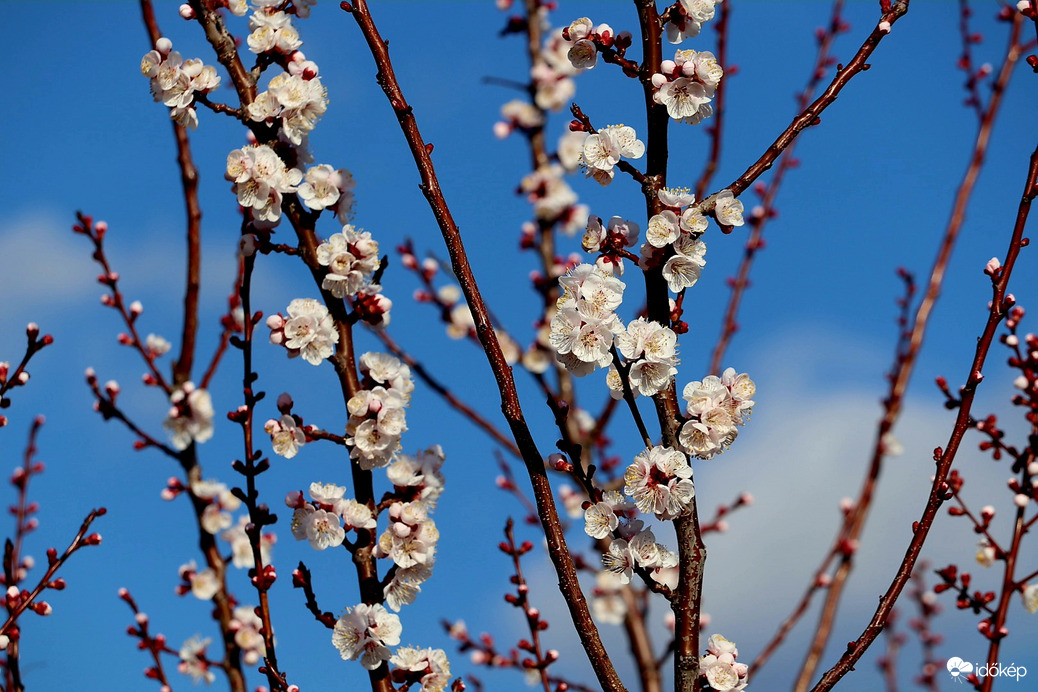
(873, 193)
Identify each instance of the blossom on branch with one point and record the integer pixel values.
(686, 85)
(604, 149)
(260, 180)
(687, 17)
(351, 258)
(727, 209)
(364, 632)
(175, 81)
(660, 482)
(584, 325)
(719, 667)
(309, 331)
(190, 417)
(716, 406)
(427, 667)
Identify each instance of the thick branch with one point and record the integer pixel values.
(557, 548)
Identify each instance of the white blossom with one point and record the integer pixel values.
(365, 632)
(190, 417)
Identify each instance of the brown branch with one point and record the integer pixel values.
(223, 601)
(96, 234)
(810, 115)
(686, 602)
(478, 420)
(54, 563)
(155, 645)
(1008, 590)
(557, 549)
(189, 181)
(729, 324)
(259, 515)
(229, 327)
(9, 380)
(716, 128)
(998, 309)
(855, 521)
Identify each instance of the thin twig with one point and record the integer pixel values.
(811, 115)
(472, 414)
(729, 323)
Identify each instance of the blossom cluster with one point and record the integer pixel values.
(272, 31)
(351, 258)
(286, 435)
(583, 35)
(202, 584)
(719, 666)
(295, 99)
(660, 482)
(325, 519)
(673, 239)
(260, 180)
(552, 197)
(686, 85)
(716, 406)
(585, 324)
(518, 114)
(611, 241)
(552, 74)
(324, 187)
(650, 353)
(410, 542)
(308, 331)
(190, 417)
(241, 544)
(638, 549)
(220, 501)
(687, 18)
(602, 150)
(246, 625)
(418, 477)
(428, 668)
(366, 632)
(193, 662)
(175, 81)
(377, 411)
(608, 604)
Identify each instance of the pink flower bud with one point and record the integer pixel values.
(186, 12)
(285, 402)
(163, 46)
